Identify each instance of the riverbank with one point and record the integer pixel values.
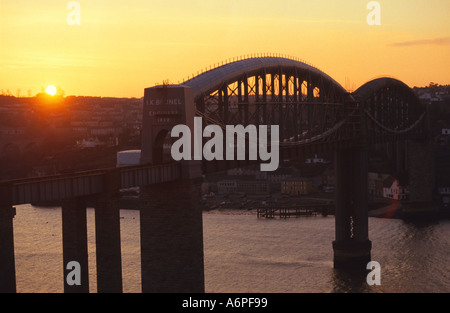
(379, 209)
(410, 211)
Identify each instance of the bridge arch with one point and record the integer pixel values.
(391, 107)
(212, 80)
(308, 104)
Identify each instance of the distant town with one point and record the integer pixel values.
(49, 135)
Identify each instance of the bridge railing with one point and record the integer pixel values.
(56, 187)
(133, 176)
(240, 58)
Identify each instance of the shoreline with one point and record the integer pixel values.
(410, 211)
(395, 209)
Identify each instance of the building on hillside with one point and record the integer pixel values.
(250, 186)
(296, 186)
(253, 186)
(226, 186)
(282, 173)
(90, 143)
(395, 189)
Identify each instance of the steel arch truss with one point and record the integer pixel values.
(307, 106)
(391, 109)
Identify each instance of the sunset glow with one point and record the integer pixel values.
(269, 148)
(51, 90)
(104, 48)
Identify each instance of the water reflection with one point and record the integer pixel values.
(350, 281)
(246, 254)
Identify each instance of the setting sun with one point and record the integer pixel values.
(51, 90)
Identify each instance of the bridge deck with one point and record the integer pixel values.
(66, 186)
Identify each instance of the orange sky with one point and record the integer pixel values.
(122, 47)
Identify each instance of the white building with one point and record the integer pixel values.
(392, 189)
(425, 96)
(89, 143)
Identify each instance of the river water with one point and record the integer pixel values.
(246, 254)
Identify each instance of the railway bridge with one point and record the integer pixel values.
(310, 110)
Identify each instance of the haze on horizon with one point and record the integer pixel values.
(122, 47)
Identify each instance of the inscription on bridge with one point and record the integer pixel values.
(174, 101)
(164, 108)
(164, 114)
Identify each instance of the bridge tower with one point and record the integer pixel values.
(170, 213)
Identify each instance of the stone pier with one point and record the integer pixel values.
(7, 261)
(172, 238)
(352, 245)
(107, 236)
(74, 231)
(170, 213)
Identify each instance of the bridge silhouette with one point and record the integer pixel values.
(314, 114)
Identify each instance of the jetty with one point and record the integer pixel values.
(295, 210)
